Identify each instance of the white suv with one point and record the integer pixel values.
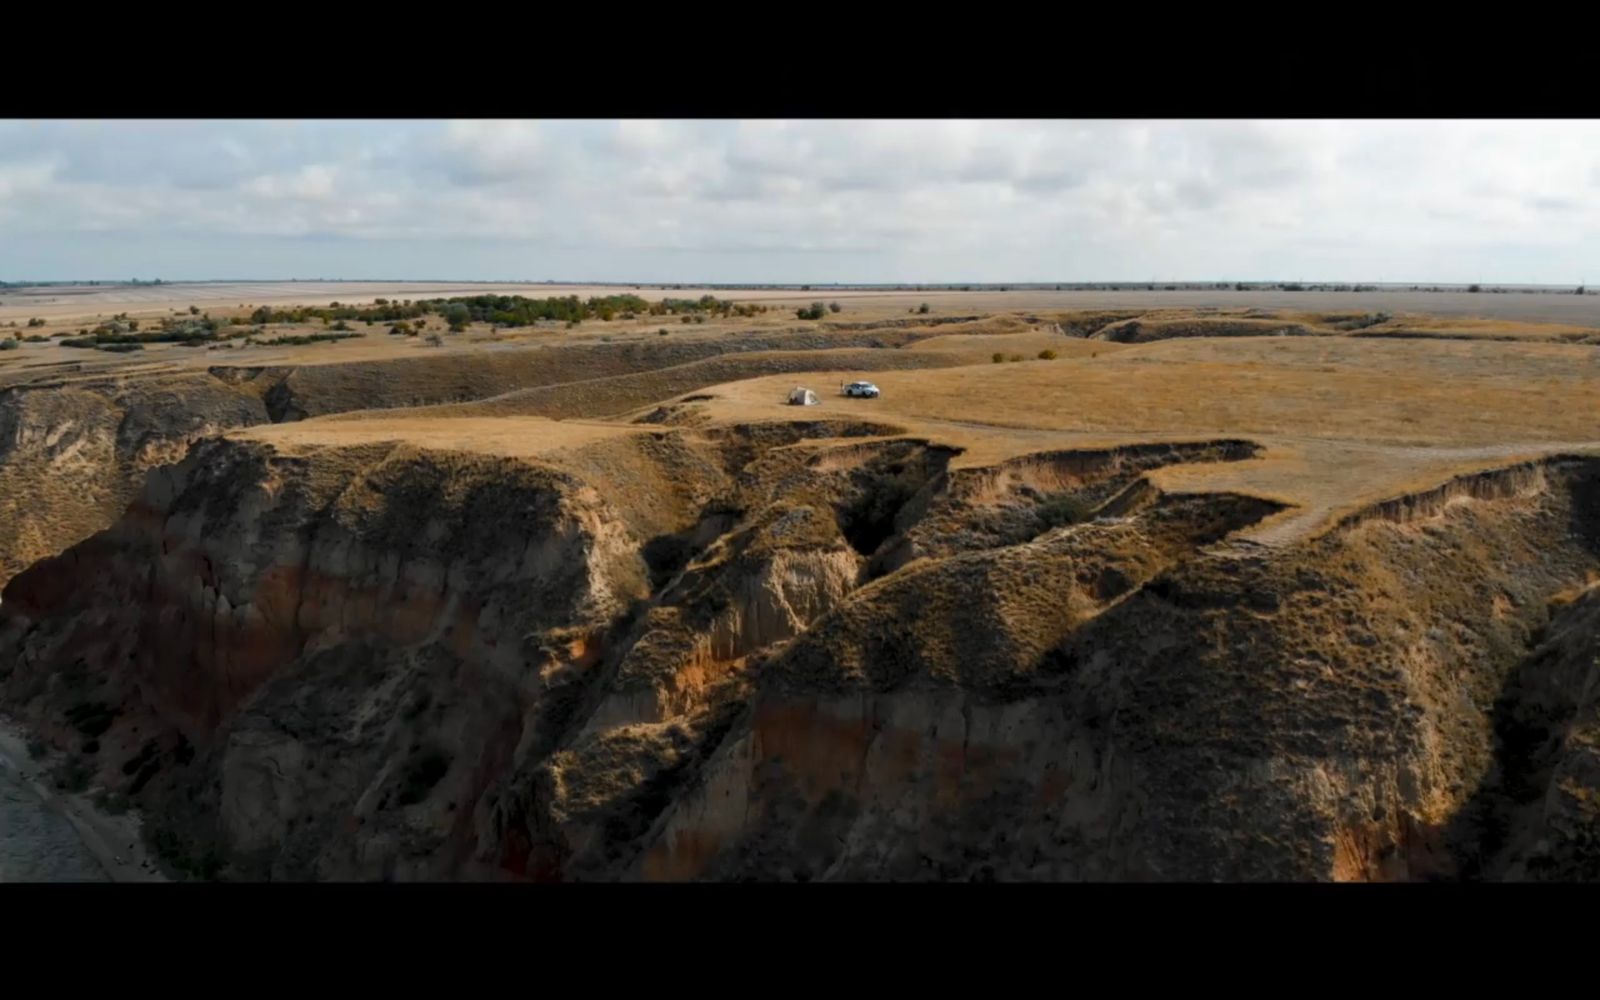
(866, 389)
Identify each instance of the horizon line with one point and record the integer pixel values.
(1159, 284)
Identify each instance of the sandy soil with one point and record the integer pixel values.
(52, 836)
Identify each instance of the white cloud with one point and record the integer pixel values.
(313, 182)
(818, 200)
(491, 152)
(19, 180)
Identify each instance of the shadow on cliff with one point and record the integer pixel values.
(1500, 833)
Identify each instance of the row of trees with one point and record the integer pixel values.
(506, 310)
(817, 310)
(999, 358)
(382, 311)
(709, 305)
(188, 330)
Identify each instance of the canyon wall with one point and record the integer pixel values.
(809, 651)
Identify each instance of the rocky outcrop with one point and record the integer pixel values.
(1022, 498)
(353, 629)
(367, 662)
(1535, 814)
(1521, 480)
(72, 455)
(1144, 331)
(1325, 715)
(687, 652)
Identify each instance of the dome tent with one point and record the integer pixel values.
(801, 396)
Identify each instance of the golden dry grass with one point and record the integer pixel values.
(1346, 422)
(1401, 393)
(975, 349)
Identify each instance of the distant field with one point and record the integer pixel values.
(64, 303)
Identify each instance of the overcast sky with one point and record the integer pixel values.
(852, 201)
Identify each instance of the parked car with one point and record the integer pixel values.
(864, 389)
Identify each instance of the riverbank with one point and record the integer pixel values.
(50, 835)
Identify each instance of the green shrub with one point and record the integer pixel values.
(1047, 355)
(302, 339)
(1061, 510)
(36, 322)
(998, 357)
(835, 307)
(9, 345)
(815, 310)
(1015, 357)
(661, 332)
(185, 331)
(923, 308)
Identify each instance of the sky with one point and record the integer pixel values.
(858, 201)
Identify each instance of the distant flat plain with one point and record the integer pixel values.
(61, 303)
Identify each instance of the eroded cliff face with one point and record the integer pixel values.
(1325, 713)
(322, 627)
(811, 650)
(1536, 815)
(72, 455)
